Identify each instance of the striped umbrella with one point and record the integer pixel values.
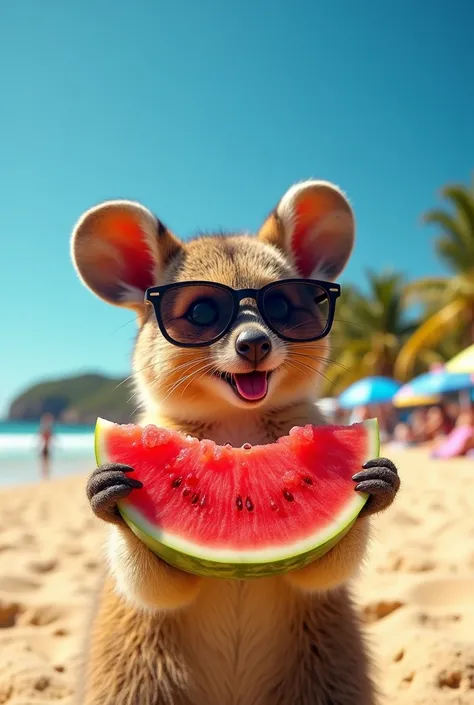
(463, 362)
(428, 387)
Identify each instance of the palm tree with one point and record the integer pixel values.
(449, 301)
(369, 330)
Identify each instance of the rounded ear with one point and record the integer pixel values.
(119, 249)
(314, 225)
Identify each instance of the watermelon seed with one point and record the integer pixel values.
(247, 446)
(308, 480)
(186, 491)
(288, 496)
(239, 503)
(176, 482)
(273, 504)
(248, 504)
(195, 498)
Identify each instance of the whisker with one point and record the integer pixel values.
(135, 372)
(205, 370)
(351, 323)
(298, 369)
(189, 364)
(133, 320)
(303, 366)
(310, 379)
(286, 329)
(174, 387)
(151, 364)
(137, 408)
(130, 399)
(332, 348)
(326, 360)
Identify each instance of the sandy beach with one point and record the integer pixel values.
(416, 593)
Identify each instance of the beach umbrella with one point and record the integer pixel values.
(405, 398)
(431, 385)
(371, 390)
(463, 362)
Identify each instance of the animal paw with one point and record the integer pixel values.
(379, 479)
(107, 485)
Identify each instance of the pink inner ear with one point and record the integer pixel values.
(306, 216)
(126, 235)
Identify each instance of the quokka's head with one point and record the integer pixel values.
(205, 351)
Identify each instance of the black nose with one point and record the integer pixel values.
(253, 345)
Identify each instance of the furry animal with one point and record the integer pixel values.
(164, 637)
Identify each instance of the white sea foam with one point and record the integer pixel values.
(21, 443)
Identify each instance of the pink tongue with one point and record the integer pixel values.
(252, 385)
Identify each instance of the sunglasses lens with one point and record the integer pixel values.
(297, 310)
(197, 314)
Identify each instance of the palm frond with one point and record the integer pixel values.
(449, 225)
(427, 335)
(460, 259)
(462, 199)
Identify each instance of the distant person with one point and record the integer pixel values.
(340, 416)
(453, 410)
(402, 436)
(417, 424)
(359, 414)
(466, 420)
(45, 438)
(438, 423)
(461, 439)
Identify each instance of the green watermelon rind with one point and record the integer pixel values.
(208, 562)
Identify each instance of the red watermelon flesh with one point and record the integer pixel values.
(240, 512)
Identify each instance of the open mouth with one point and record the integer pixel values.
(250, 386)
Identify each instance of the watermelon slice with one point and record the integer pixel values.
(240, 512)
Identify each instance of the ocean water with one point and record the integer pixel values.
(72, 451)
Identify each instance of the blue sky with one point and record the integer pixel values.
(206, 112)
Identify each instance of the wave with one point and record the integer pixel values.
(20, 443)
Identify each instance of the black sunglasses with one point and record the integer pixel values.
(196, 313)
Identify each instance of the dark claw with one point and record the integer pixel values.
(107, 485)
(380, 481)
(113, 466)
(380, 473)
(377, 487)
(380, 462)
(103, 480)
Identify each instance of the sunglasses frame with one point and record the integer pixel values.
(154, 296)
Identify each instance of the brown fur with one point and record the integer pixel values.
(163, 637)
